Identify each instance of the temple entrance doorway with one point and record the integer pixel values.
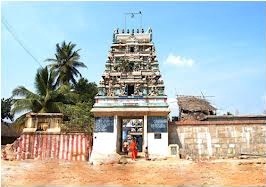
(132, 128)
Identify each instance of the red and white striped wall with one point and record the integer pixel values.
(72, 146)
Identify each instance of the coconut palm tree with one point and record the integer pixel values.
(48, 98)
(65, 63)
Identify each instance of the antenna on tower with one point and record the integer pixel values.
(176, 92)
(202, 95)
(132, 15)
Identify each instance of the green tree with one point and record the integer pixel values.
(86, 90)
(48, 98)
(6, 109)
(65, 63)
(58, 91)
(79, 117)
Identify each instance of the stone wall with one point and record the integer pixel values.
(49, 122)
(219, 139)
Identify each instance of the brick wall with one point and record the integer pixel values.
(219, 139)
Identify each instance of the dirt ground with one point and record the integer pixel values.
(248, 172)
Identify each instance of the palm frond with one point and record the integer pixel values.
(41, 80)
(19, 123)
(79, 64)
(66, 63)
(75, 72)
(22, 105)
(24, 92)
(50, 60)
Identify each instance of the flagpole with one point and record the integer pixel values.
(140, 19)
(132, 16)
(125, 23)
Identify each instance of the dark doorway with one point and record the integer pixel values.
(132, 128)
(130, 90)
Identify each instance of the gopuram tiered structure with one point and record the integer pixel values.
(131, 88)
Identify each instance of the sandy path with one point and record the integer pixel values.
(141, 172)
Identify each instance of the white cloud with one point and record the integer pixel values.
(179, 61)
(171, 100)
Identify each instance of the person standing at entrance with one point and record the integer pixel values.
(125, 147)
(146, 153)
(133, 149)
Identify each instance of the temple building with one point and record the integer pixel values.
(131, 102)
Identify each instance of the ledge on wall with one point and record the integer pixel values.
(225, 120)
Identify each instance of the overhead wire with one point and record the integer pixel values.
(12, 32)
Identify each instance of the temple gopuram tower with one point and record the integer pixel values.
(131, 102)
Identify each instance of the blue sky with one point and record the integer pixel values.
(217, 48)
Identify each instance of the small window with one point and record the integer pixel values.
(145, 59)
(157, 136)
(131, 49)
(174, 150)
(130, 66)
(130, 90)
